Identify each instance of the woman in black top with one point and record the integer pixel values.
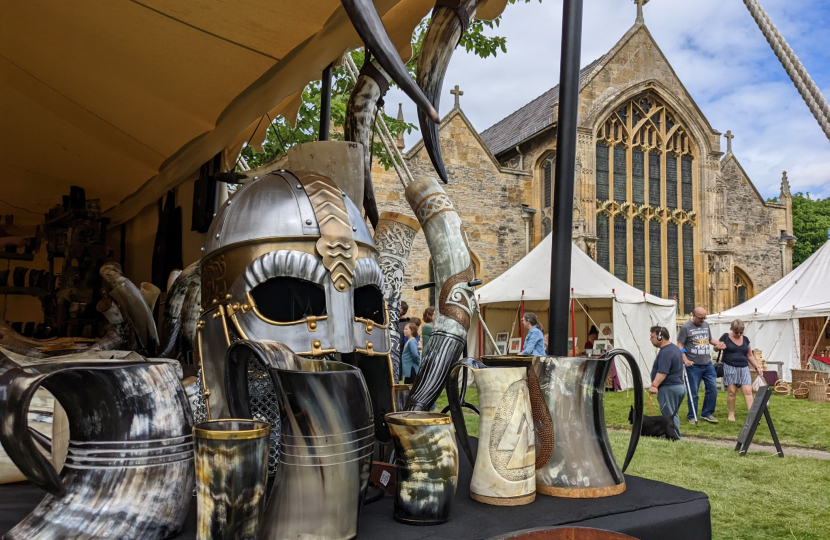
(736, 357)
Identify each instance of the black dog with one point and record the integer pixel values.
(656, 426)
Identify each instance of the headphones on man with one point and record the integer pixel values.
(660, 331)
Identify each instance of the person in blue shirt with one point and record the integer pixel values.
(411, 358)
(534, 340)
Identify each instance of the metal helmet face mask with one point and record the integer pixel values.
(290, 259)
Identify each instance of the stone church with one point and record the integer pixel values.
(657, 202)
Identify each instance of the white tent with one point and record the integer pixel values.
(772, 317)
(599, 297)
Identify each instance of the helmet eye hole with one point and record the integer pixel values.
(368, 303)
(287, 299)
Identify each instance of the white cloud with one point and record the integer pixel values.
(715, 48)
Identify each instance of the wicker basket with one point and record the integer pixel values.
(802, 391)
(808, 375)
(782, 388)
(818, 392)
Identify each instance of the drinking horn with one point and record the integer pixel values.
(172, 323)
(453, 267)
(394, 235)
(449, 22)
(370, 28)
(132, 306)
(366, 98)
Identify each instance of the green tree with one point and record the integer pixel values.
(282, 135)
(811, 221)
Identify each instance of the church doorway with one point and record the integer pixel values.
(742, 288)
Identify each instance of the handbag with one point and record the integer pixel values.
(718, 366)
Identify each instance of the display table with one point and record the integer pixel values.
(647, 510)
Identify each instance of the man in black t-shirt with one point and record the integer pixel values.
(667, 375)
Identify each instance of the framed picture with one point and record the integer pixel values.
(571, 344)
(606, 330)
(502, 337)
(600, 346)
(515, 345)
(502, 348)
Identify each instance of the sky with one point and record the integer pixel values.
(715, 48)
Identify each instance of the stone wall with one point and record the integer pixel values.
(753, 227)
(487, 197)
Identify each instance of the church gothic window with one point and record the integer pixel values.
(688, 268)
(602, 242)
(547, 169)
(646, 210)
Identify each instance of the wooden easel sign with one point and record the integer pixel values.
(759, 406)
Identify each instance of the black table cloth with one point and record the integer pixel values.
(648, 510)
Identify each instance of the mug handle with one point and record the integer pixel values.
(638, 401)
(455, 402)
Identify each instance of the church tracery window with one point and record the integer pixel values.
(547, 170)
(645, 186)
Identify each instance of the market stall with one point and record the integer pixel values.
(622, 313)
(787, 321)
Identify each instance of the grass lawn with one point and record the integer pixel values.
(756, 497)
(798, 422)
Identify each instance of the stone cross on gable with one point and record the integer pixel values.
(457, 93)
(640, 4)
(729, 138)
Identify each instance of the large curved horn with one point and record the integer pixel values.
(176, 293)
(132, 306)
(447, 243)
(370, 28)
(449, 22)
(371, 86)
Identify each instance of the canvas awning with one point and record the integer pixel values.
(126, 99)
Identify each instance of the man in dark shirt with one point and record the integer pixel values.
(667, 375)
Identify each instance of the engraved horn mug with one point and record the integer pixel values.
(427, 458)
(231, 478)
(129, 465)
(504, 466)
(582, 465)
(326, 440)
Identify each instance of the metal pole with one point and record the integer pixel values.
(560, 274)
(325, 104)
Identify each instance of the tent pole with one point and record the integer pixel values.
(573, 323)
(522, 326)
(563, 197)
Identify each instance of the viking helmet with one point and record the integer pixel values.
(290, 259)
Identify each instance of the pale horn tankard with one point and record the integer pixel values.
(504, 466)
(582, 465)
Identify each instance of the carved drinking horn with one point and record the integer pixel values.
(132, 306)
(176, 294)
(394, 235)
(367, 96)
(449, 22)
(453, 270)
(370, 28)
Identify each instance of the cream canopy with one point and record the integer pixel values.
(127, 98)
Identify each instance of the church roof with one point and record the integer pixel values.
(529, 120)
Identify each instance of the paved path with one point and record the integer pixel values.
(755, 447)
